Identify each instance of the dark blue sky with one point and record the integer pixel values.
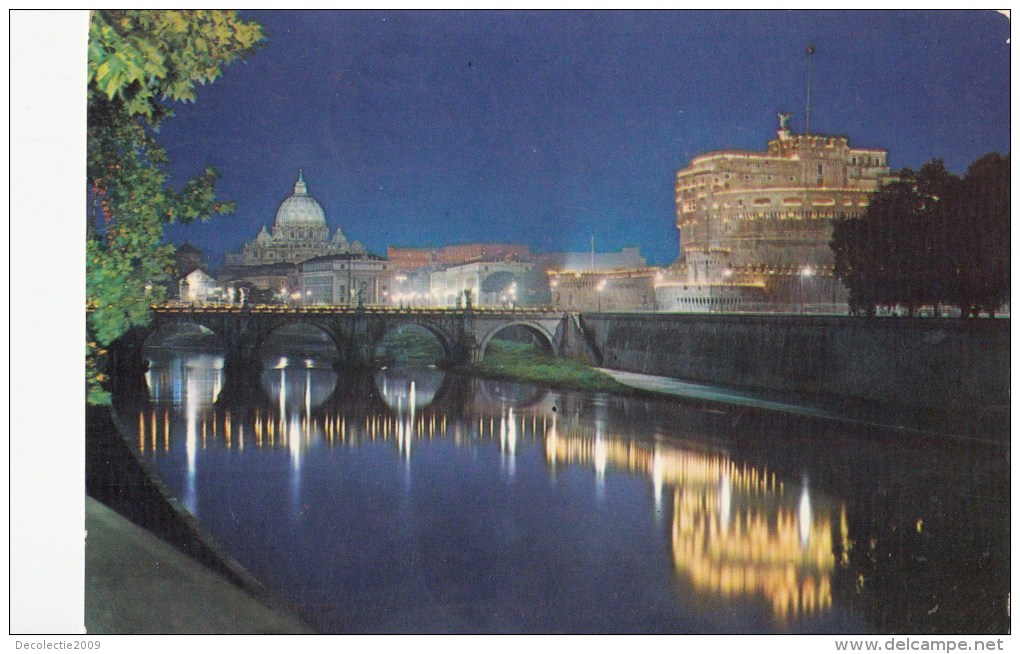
(427, 128)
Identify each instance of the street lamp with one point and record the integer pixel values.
(601, 286)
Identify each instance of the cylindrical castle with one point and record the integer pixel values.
(764, 219)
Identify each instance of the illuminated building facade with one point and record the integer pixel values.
(763, 220)
(345, 279)
(627, 258)
(496, 274)
(198, 286)
(629, 289)
(299, 233)
(406, 258)
(270, 261)
(491, 284)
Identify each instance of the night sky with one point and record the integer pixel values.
(549, 128)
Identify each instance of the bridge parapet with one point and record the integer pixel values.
(271, 309)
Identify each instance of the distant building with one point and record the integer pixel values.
(451, 255)
(279, 278)
(198, 287)
(411, 258)
(413, 286)
(490, 283)
(300, 232)
(626, 258)
(496, 274)
(685, 297)
(345, 279)
(762, 220)
(604, 290)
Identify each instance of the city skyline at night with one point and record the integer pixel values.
(556, 128)
(692, 323)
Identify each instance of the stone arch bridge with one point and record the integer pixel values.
(463, 334)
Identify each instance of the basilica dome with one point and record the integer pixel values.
(300, 209)
(299, 233)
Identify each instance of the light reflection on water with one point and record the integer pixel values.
(736, 534)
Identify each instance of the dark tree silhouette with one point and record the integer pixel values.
(930, 239)
(981, 260)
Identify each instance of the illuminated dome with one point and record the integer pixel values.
(300, 209)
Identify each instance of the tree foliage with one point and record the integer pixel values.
(930, 238)
(139, 64)
(147, 58)
(981, 261)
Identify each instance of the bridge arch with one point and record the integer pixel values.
(333, 335)
(166, 326)
(182, 361)
(463, 334)
(546, 338)
(446, 340)
(188, 333)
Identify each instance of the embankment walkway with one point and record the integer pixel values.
(136, 583)
(868, 414)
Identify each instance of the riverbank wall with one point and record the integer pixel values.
(925, 368)
(118, 478)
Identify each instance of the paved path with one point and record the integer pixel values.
(136, 583)
(680, 388)
(922, 424)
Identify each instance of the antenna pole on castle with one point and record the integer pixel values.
(810, 52)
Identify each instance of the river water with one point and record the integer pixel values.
(418, 501)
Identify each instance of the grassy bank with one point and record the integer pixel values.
(410, 346)
(524, 362)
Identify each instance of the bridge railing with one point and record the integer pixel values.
(343, 309)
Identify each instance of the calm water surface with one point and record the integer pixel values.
(416, 501)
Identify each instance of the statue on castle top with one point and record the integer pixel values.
(784, 121)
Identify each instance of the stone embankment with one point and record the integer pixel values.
(949, 374)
